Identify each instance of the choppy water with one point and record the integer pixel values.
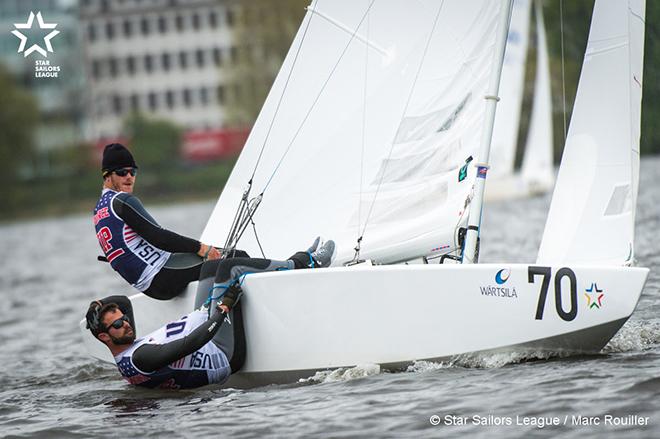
(50, 388)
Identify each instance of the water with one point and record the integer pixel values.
(50, 388)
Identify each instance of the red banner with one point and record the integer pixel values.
(213, 144)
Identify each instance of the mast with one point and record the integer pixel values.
(474, 220)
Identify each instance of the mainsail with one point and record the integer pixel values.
(591, 219)
(376, 108)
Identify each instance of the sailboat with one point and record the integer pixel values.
(536, 175)
(376, 133)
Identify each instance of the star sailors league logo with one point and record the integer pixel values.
(594, 296)
(42, 67)
(35, 47)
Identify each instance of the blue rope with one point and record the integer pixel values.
(311, 260)
(239, 280)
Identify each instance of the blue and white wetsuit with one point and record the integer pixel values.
(140, 250)
(180, 355)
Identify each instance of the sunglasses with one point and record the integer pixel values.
(124, 172)
(117, 324)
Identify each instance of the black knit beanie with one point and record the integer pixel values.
(116, 156)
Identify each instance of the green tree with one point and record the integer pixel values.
(262, 33)
(18, 120)
(576, 21)
(650, 142)
(154, 142)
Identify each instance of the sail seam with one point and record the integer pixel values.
(318, 96)
(405, 109)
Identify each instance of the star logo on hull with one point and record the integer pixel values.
(594, 296)
(35, 47)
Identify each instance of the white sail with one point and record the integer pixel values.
(537, 167)
(288, 319)
(591, 219)
(507, 118)
(376, 108)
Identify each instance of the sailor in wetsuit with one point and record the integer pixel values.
(192, 351)
(181, 355)
(161, 263)
(156, 261)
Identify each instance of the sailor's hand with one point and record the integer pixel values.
(214, 254)
(230, 298)
(208, 252)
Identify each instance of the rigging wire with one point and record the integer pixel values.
(318, 96)
(405, 109)
(563, 81)
(240, 219)
(279, 102)
(244, 215)
(356, 257)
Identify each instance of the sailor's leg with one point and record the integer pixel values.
(206, 276)
(174, 277)
(230, 270)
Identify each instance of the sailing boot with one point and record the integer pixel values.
(315, 256)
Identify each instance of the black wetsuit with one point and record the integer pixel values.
(181, 354)
(158, 262)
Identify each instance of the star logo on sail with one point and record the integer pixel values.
(594, 296)
(35, 47)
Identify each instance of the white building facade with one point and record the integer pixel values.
(163, 58)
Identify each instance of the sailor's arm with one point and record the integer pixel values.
(151, 357)
(130, 209)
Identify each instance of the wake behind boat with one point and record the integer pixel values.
(369, 135)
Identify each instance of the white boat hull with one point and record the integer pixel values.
(298, 322)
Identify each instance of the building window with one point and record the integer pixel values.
(203, 96)
(187, 101)
(169, 98)
(196, 21)
(144, 26)
(135, 102)
(148, 63)
(110, 30)
(220, 92)
(217, 56)
(213, 19)
(116, 104)
(162, 24)
(179, 22)
(183, 60)
(130, 65)
(112, 64)
(199, 56)
(128, 28)
(165, 61)
(238, 92)
(230, 17)
(96, 69)
(233, 54)
(91, 32)
(153, 101)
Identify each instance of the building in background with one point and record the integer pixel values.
(61, 119)
(163, 58)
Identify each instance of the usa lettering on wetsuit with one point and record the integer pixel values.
(135, 259)
(206, 365)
